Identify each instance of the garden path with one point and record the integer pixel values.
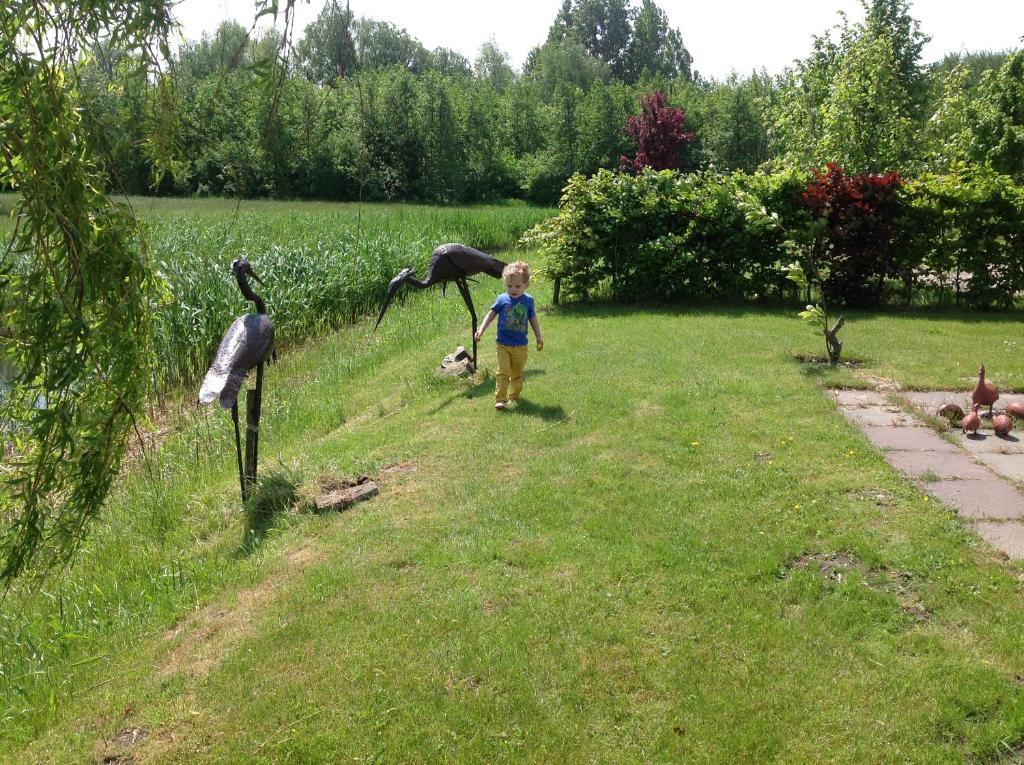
(976, 475)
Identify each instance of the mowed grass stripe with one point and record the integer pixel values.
(630, 570)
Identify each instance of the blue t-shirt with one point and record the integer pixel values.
(513, 318)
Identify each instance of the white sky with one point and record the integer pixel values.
(722, 35)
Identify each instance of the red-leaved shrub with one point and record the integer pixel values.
(861, 212)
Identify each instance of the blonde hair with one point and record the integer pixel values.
(518, 268)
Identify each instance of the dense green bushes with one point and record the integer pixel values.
(667, 236)
(963, 236)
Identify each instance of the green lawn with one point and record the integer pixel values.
(675, 551)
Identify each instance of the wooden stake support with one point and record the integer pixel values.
(253, 406)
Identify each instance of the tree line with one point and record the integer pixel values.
(362, 110)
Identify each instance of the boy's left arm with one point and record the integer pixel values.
(536, 332)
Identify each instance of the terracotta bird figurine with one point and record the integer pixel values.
(972, 421)
(984, 393)
(448, 263)
(1002, 424)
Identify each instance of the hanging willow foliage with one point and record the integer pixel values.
(76, 288)
(76, 291)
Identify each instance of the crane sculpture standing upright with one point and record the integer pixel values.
(247, 344)
(448, 263)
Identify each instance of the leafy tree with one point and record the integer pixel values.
(76, 293)
(868, 121)
(228, 49)
(492, 66)
(603, 27)
(565, 61)
(891, 19)
(327, 50)
(602, 138)
(380, 44)
(656, 48)
(974, 63)
(659, 134)
(1001, 130)
(858, 100)
(950, 136)
(449, 63)
(443, 162)
(733, 129)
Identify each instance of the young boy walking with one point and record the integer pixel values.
(514, 308)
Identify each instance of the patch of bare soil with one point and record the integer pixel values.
(881, 384)
(833, 566)
(399, 468)
(121, 749)
(811, 358)
(836, 567)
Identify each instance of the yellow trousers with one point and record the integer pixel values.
(511, 362)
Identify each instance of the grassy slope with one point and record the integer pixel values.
(616, 586)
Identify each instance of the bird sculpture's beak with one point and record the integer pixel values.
(253, 275)
(393, 286)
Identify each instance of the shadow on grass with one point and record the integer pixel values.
(600, 310)
(483, 388)
(275, 493)
(544, 411)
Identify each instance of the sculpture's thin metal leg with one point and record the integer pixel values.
(464, 290)
(253, 406)
(259, 413)
(238, 451)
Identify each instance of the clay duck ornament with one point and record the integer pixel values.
(1002, 424)
(971, 422)
(984, 393)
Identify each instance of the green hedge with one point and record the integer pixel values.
(665, 235)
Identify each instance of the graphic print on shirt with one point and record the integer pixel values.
(513, 318)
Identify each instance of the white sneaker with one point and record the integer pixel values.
(499, 404)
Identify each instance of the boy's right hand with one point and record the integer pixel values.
(540, 345)
(477, 336)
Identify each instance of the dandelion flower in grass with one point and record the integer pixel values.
(925, 497)
(695, 443)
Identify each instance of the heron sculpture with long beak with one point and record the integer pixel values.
(246, 345)
(448, 263)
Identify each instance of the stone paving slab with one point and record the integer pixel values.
(1008, 537)
(940, 464)
(988, 443)
(907, 439)
(875, 415)
(855, 398)
(1007, 465)
(982, 498)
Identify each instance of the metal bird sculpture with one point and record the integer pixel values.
(448, 263)
(246, 345)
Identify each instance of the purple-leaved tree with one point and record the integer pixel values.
(658, 131)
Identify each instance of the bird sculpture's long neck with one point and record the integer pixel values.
(243, 285)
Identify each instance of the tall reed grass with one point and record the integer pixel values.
(321, 267)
